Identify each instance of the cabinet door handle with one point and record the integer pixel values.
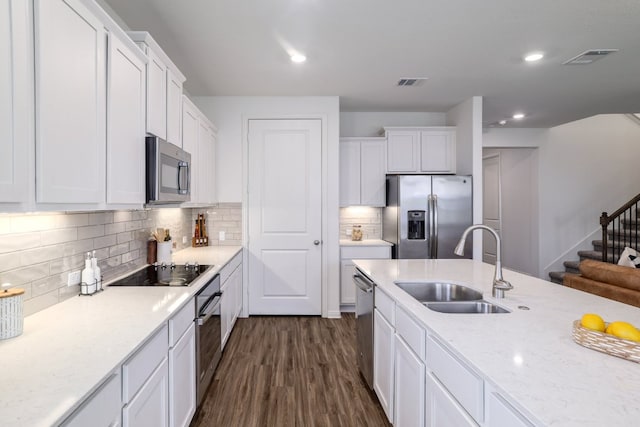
(316, 242)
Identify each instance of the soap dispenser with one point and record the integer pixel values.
(88, 285)
(96, 271)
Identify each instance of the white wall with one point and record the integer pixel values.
(513, 137)
(467, 117)
(586, 167)
(519, 207)
(230, 115)
(371, 123)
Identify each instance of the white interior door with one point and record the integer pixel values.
(284, 217)
(491, 209)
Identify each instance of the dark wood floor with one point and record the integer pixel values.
(290, 371)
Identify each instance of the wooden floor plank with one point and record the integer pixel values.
(290, 371)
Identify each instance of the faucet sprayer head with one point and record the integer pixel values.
(459, 250)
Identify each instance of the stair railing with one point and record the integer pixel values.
(621, 229)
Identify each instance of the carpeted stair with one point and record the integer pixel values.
(596, 253)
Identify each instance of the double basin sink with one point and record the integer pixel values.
(447, 297)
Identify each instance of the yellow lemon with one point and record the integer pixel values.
(623, 330)
(592, 321)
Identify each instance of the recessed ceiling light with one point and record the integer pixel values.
(518, 116)
(534, 56)
(297, 58)
(502, 122)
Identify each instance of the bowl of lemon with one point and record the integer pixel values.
(619, 338)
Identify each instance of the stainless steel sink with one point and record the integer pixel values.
(466, 307)
(439, 291)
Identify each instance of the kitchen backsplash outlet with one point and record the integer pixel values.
(369, 218)
(38, 251)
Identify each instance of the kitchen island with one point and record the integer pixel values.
(527, 355)
(68, 350)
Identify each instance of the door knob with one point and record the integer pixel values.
(316, 242)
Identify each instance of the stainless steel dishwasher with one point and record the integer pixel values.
(364, 325)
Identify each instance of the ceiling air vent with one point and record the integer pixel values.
(589, 56)
(413, 81)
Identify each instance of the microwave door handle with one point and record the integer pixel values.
(181, 166)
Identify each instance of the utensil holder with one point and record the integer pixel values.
(11, 313)
(164, 251)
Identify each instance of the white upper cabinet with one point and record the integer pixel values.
(70, 43)
(125, 123)
(164, 90)
(403, 147)
(16, 102)
(421, 150)
(362, 171)
(438, 151)
(156, 95)
(349, 172)
(190, 134)
(199, 140)
(174, 108)
(206, 164)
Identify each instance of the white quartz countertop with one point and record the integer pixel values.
(67, 350)
(365, 242)
(528, 354)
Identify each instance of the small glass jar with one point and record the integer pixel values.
(356, 233)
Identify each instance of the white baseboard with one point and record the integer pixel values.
(333, 314)
(571, 253)
(348, 308)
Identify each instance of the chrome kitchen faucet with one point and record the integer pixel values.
(499, 284)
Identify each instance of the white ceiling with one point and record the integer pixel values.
(359, 49)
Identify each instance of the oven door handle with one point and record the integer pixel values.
(206, 313)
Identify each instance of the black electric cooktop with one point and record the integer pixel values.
(163, 275)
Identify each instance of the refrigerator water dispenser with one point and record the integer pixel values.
(416, 225)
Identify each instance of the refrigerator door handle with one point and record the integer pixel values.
(429, 226)
(434, 241)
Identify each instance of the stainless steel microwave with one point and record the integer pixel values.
(168, 172)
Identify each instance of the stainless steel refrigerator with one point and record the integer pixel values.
(425, 215)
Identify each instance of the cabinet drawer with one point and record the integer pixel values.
(365, 252)
(226, 271)
(139, 367)
(181, 321)
(385, 305)
(102, 408)
(465, 386)
(411, 332)
(442, 409)
(150, 407)
(501, 414)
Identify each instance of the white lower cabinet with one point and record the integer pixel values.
(347, 268)
(464, 384)
(383, 354)
(501, 414)
(182, 366)
(409, 390)
(231, 301)
(150, 407)
(103, 408)
(182, 379)
(442, 410)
